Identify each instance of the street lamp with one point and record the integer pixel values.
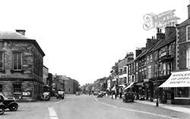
(157, 90)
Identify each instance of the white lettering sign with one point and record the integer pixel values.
(161, 20)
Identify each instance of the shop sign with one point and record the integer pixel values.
(178, 79)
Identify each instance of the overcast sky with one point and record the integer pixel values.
(84, 38)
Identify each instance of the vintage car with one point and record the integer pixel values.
(45, 96)
(128, 97)
(8, 103)
(60, 94)
(101, 94)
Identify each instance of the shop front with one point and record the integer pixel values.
(179, 86)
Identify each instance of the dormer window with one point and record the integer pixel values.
(188, 33)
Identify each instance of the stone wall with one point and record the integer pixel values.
(30, 77)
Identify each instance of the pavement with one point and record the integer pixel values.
(179, 108)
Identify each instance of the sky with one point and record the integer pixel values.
(83, 39)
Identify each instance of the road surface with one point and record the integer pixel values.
(90, 107)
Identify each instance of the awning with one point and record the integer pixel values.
(129, 86)
(177, 79)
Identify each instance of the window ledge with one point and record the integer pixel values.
(15, 71)
(181, 97)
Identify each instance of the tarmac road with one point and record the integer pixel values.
(90, 107)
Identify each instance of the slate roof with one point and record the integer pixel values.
(14, 36)
(184, 23)
(161, 43)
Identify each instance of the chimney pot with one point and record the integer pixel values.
(21, 31)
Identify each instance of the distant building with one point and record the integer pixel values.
(69, 85)
(45, 75)
(58, 83)
(21, 66)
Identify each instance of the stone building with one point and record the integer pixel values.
(69, 85)
(45, 75)
(21, 66)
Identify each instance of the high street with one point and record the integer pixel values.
(90, 107)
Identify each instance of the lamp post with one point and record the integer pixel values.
(157, 90)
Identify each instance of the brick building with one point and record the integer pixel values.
(182, 94)
(21, 66)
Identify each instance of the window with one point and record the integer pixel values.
(149, 72)
(164, 68)
(151, 58)
(188, 58)
(182, 92)
(188, 33)
(169, 68)
(163, 52)
(17, 87)
(1, 61)
(125, 70)
(17, 61)
(1, 88)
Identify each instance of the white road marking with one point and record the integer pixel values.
(132, 110)
(52, 113)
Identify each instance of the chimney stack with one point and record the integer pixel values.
(188, 11)
(169, 30)
(21, 31)
(159, 34)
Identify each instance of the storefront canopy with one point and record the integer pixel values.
(177, 79)
(129, 86)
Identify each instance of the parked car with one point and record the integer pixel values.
(60, 94)
(101, 94)
(128, 97)
(8, 103)
(141, 97)
(77, 93)
(2, 108)
(45, 96)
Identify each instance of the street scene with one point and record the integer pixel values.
(85, 107)
(102, 59)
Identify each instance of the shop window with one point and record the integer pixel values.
(182, 92)
(17, 61)
(17, 87)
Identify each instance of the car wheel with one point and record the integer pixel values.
(2, 110)
(13, 108)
